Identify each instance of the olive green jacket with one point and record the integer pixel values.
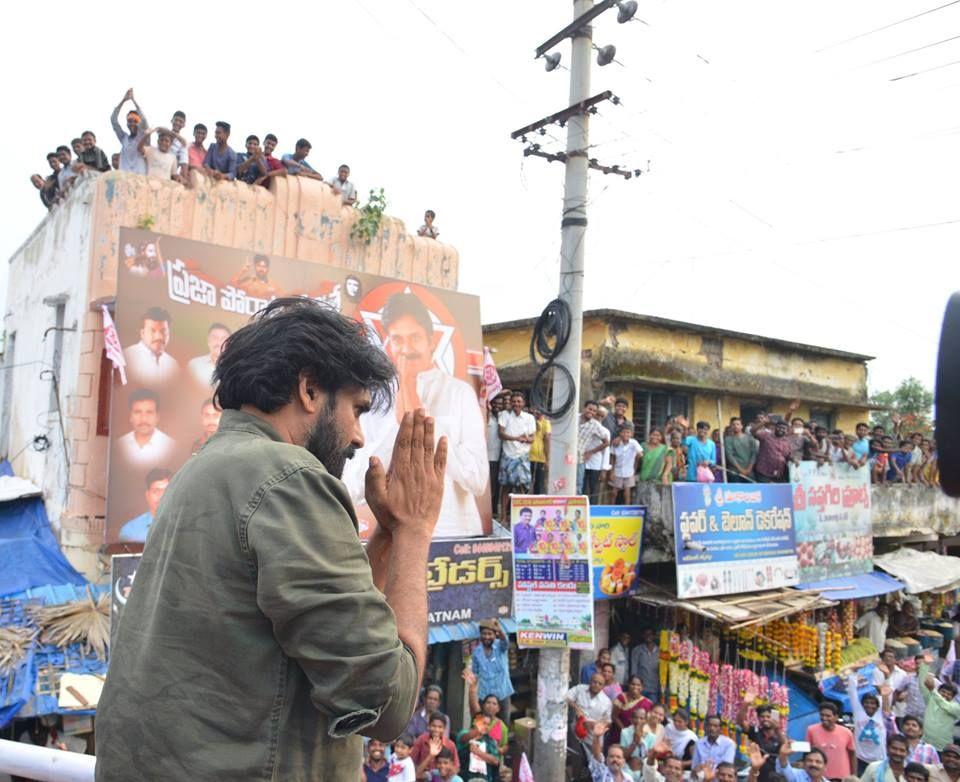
(254, 645)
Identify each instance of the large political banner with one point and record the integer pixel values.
(179, 300)
(733, 537)
(552, 574)
(617, 535)
(831, 508)
(469, 580)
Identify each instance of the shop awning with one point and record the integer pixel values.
(736, 611)
(921, 571)
(463, 631)
(856, 587)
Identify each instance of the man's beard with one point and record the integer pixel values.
(323, 442)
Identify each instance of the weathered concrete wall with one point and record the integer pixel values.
(74, 253)
(618, 355)
(296, 218)
(900, 510)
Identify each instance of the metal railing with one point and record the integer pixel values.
(45, 764)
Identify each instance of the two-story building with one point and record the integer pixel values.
(666, 367)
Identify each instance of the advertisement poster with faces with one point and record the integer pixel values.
(552, 573)
(831, 507)
(179, 300)
(733, 537)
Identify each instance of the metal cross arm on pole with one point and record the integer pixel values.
(562, 157)
(561, 117)
(575, 26)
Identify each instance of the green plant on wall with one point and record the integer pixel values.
(371, 215)
(146, 223)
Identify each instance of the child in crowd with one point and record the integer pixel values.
(445, 770)
(402, 768)
(625, 452)
(900, 463)
(881, 458)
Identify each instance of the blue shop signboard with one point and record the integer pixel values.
(733, 537)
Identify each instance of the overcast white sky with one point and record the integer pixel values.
(795, 190)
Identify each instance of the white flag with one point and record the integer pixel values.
(491, 380)
(111, 342)
(524, 774)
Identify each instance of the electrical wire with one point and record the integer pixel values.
(925, 70)
(888, 26)
(911, 51)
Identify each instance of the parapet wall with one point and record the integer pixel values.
(297, 218)
(72, 256)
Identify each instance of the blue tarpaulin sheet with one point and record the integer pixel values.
(857, 587)
(463, 631)
(22, 699)
(29, 553)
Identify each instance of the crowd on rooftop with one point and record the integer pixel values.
(611, 461)
(174, 157)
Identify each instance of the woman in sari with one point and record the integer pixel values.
(498, 731)
(625, 704)
(654, 455)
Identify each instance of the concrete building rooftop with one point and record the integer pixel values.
(710, 331)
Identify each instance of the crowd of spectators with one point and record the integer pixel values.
(426, 750)
(611, 461)
(903, 731)
(174, 157)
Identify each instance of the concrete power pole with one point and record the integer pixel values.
(554, 664)
(550, 746)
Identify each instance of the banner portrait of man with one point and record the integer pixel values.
(420, 336)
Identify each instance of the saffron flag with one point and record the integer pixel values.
(491, 379)
(111, 343)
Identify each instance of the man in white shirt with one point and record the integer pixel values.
(517, 428)
(590, 702)
(452, 402)
(148, 362)
(898, 680)
(592, 439)
(626, 453)
(145, 445)
(201, 367)
(494, 447)
(873, 625)
(342, 185)
(161, 162)
(179, 146)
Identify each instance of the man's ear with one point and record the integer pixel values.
(309, 394)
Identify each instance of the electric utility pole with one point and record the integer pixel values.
(550, 752)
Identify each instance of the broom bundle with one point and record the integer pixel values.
(85, 621)
(14, 643)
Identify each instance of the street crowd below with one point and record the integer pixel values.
(611, 461)
(175, 158)
(623, 730)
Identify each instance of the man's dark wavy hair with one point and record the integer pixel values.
(260, 364)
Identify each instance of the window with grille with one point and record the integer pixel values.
(652, 407)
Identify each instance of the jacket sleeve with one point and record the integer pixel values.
(315, 586)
